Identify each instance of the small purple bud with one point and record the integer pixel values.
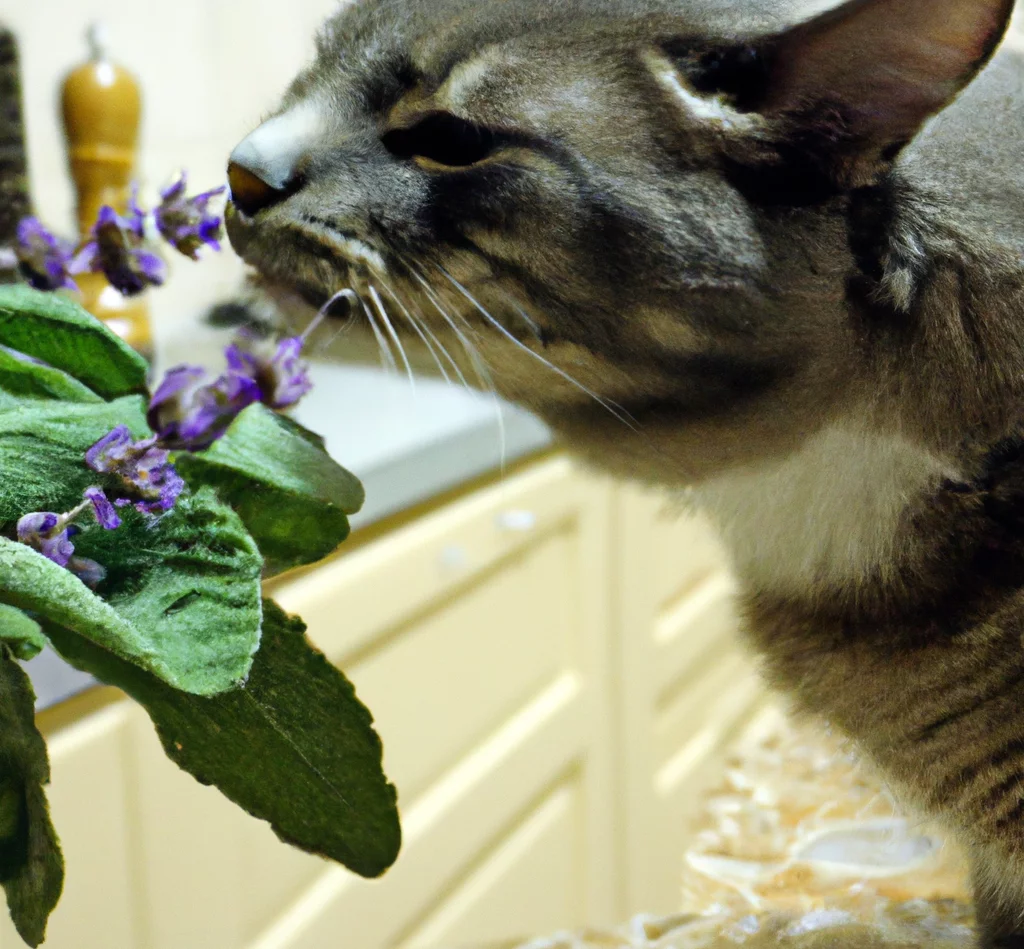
(282, 377)
(186, 223)
(116, 248)
(157, 481)
(49, 534)
(189, 413)
(43, 258)
(106, 516)
(111, 451)
(148, 479)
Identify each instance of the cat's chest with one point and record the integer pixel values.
(827, 515)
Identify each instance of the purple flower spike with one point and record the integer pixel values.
(147, 477)
(49, 534)
(186, 223)
(106, 516)
(117, 248)
(188, 413)
(43, 258)
(283, 377)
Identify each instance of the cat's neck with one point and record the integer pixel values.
(825, 517)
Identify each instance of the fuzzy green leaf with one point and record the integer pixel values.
(55, 329)
(294, 747)
(182, 597)
(20, 633)
(24, 377)
(291, 495)
(42, 450)
(31, 866)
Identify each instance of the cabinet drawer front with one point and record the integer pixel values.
(470, 662)
(92, 807)
(352, 602)
(528, 883)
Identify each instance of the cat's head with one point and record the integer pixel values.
(639, 213)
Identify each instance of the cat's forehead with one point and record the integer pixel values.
(432, 38)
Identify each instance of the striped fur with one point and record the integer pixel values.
(777, 263)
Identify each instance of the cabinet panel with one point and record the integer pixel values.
(530, 883)
(468, 665)
(681, 548)
(689, 631)
(93, 814)
(697, 704)
(445, 831)
(684, 685)
(428, 561)
(187, 851)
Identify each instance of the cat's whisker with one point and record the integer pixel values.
(326, 344)
(433, 336)
(348, 294)
(378, 304)
(414, 323)
(382, 344)
(483, 374)
(616, 410)
(479, 366)
(524, 316)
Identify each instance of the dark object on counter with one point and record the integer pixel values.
(14, 199)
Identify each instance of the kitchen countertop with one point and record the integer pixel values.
(799, 845)
(405, 444)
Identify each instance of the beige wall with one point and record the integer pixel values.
(209, 69)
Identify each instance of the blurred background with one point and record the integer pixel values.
(209, 71)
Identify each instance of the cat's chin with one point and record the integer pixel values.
(293, 308)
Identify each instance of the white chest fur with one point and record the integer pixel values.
(826, 515)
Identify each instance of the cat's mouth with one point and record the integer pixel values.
(300, 263)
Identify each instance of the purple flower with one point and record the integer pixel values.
(49, 534)
(282, 377)
(157, 481)
(186, 223)
(43, 258)
(147, 477)
(188, 413)
(111, 451)
(117, 248)
(106, 516)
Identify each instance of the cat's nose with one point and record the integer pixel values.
(264, 168)
(249, 191)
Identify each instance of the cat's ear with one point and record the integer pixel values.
(854, 85)
(873, 71)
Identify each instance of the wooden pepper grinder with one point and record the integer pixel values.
(102, 106)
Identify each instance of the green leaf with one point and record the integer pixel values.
(182, 597)
(42, 450)
(31, 866)
(291, 495)
(294, 747)
(35, 380)
(20, 633)
(55, 329)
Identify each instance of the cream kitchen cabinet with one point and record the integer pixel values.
(550, 661)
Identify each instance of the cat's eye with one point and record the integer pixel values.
(443, 138)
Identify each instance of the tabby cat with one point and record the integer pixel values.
(771, 257)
